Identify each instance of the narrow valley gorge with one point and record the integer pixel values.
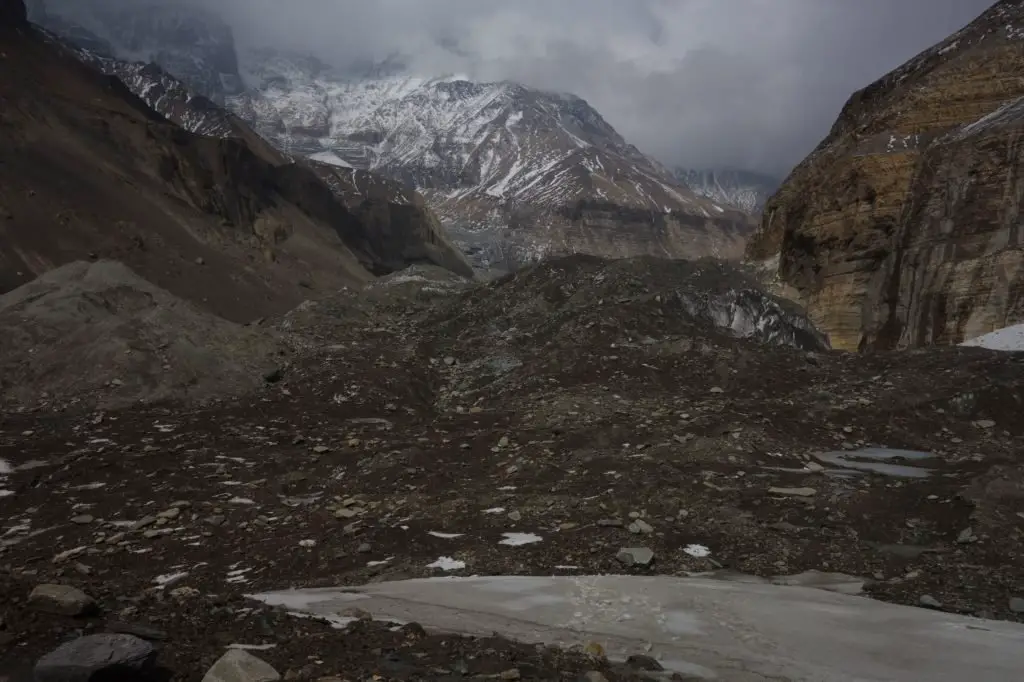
(328, 372)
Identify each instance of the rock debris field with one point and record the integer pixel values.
(580, 417)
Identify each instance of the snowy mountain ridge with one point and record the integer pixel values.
(454, 139)
(745, 190)
(514, 173)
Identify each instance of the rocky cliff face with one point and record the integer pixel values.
(902, 228)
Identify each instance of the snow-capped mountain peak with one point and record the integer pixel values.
(541, 169)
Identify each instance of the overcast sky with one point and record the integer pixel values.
(745, 83)
(748, 83)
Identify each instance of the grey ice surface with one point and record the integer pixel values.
(878, 461)
(715, 629)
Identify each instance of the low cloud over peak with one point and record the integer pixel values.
(750, 84)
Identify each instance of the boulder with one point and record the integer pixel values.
(104, 656)
(61, 600)
(238, 665)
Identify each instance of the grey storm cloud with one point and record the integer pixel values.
(752, 84)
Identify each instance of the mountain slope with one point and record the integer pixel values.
(514, 173)
(542, 168)
(745, 190)
(902, 227)
(91, 171)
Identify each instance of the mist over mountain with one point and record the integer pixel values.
(694, 84)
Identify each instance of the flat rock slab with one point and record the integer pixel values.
(103, 656)
(701, 627)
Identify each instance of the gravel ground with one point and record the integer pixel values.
(510, 429)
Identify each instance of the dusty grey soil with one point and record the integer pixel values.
(578, 405)
(95, 334)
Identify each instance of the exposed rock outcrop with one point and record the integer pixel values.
(902, 228)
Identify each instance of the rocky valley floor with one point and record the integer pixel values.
(574, 418)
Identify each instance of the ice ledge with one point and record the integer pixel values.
(701, 627)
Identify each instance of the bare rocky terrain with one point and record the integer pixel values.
(535, 425)
(287, 380)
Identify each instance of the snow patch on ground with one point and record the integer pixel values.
(1007, 339)
(446, 563)
(519, 539)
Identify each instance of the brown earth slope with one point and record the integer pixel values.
(89, 170)
(901, 228)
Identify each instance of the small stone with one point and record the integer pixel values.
(143, 522)
(238, 665)
(115, 538)
(68, 554)
(364, 548)
(594, 676)
(449, 361)
(95, 657)
(510, 674)
(215, 520)
(966, 537)
(793, 492)
(929, 601)
(635, 556)
(985, 424)
(641, 662)
(62, 600)
(170, 514)
(609, 523)
(717, 389)
(82, 520)
(184, 593)
(641, 527)
(515, 516)
(413, 631)
(814, 467)
(1017, 604)
(320, 449)
(503, 442)
(594, 649)
(199, 260)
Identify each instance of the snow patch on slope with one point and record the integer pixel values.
(1006, 339)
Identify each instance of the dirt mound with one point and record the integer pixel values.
(99, 335)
